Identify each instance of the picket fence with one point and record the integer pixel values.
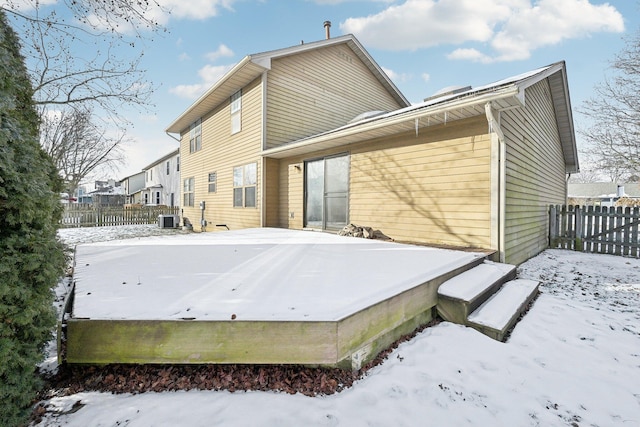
(597, 229)
(88, 215)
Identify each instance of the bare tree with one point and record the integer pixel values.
(71, 53)
(77, 146)
(614, 111)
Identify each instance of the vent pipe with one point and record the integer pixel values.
(327, 25)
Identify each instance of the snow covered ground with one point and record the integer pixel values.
(573, 360)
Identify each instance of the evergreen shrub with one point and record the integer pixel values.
(31, 257)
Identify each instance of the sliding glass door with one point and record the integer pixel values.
(327, 192)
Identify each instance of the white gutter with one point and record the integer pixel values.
(494, 127)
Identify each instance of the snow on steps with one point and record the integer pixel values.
(462, 294)
(500, 312)
(486, 298)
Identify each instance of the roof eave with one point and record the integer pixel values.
(564, 116)
(254, 65)
(221, 90)
(358, 132)
(162, 159)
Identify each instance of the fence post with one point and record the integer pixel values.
(578, 224)
(552, 226)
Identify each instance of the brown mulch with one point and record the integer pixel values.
(126, 378)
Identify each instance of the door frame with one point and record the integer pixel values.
(324, 193)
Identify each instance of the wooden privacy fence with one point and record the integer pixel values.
(82, 215)
(599, 229)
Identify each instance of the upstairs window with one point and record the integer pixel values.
(168, 166)
(195, 136)
(178, 164)
(244, 186)
(236, 112)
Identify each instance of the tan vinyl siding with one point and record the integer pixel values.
(272, 192)
(434, 188)
(221, 152)
(291, 196)
(535, 173)
(317, 91)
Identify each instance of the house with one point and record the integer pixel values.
(162, 181)
(108, 193)
(604, 193)
(133, 185)
(316, 136)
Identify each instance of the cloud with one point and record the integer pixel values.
(425, 77)
(161, 12)
(511, 29)
(551, 22)
(24, 5)
(469, 55)
(209, 75)
(222, 52)
(195, 9)
(396, 77)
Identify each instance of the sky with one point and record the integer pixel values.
(423, 45)
(572, 360)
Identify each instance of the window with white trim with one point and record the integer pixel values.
(188, 191)
(244, 186)
(195, 136)
(236, 112)
(213, 179)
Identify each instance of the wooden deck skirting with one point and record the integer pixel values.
(348, 343)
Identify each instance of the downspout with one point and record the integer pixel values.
(263, 159)
(172, 136)
(494, 127)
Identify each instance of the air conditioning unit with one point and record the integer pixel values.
(168, 221)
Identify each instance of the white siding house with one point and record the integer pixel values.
(162, 181)
(133, 186)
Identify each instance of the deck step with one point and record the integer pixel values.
(501, 312)
(459, 296)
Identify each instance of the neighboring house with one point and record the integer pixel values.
(316, 136)
(133, 186)
(604, 193)
(162, 181)
(82, 195)
(108, 193)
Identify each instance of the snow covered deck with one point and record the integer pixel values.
(251, 296)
